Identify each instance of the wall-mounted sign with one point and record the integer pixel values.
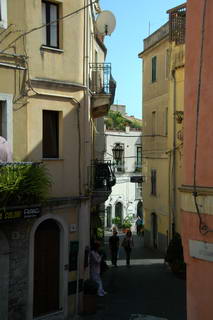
(18, 214)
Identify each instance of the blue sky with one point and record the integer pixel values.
(134, 18)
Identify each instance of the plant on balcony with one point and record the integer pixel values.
(117, 221)
(116, 121)
(127, 223)
(23, 184)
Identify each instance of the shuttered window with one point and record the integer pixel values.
(154, 69)
(50, 134)
(153, 182)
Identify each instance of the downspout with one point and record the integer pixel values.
(82, 144)
(174, 155)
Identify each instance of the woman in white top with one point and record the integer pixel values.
(95, 268)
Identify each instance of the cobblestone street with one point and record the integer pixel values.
(148, 290)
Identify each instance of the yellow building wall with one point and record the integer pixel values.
(154, 145)
(175, 128)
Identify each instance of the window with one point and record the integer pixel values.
(166, 122)
(138, 191)
(6, 117)
(3, 14)
(50, 13)
(167, 64)
(153, 123)
(154, 69)
(153, 182)
(139, 158)
(50, 134)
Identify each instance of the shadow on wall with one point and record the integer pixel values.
(55, 134)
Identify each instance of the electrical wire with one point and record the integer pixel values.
(203, 228)
(48, 24)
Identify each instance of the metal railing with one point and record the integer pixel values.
(102, 177)
(177, 24)
(101, 80)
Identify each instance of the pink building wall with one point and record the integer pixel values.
(205, 130)
(199, 270)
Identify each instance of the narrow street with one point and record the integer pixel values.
(147, 288)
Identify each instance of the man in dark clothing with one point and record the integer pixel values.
(114, 246)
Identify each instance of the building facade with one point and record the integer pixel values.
(163, 87)
(197, 183)
(51, 91)
(126, 197)
(155, 138)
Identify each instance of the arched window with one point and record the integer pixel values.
(119, 211)
(109, 216)
(140, 209)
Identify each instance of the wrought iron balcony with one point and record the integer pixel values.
(103, 86)
(102, 176)
(177, 24)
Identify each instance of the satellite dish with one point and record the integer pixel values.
(105, 22)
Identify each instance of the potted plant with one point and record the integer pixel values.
(126, 225)
(117, 221)
(90, 296)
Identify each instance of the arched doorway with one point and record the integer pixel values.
(46, 268)
(109, 216)
(140, 209)
(119, 211)
(4, 276)
(154, 230)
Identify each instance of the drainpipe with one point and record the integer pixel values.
(83, 147)
(174, 154)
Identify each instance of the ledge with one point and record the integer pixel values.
(55, 50)
(200, 190)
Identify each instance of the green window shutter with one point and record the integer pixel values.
(154, 69)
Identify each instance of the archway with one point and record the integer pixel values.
(154, 229)
(46, 268)
(109, 216)
(140, 209)
(4, 276)
(119, 211)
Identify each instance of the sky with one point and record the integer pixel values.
(135, 20)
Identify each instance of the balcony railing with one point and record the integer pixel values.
(177, 24)
(102, 176)
(101, 80)
(23, 183)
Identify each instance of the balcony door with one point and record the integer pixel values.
(46, 268)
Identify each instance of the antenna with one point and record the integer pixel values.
(105, 23)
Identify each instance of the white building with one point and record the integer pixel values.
(124, 149)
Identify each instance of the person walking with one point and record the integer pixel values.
(128, 244)
(114, 247)
(138, 224)
(95, 267)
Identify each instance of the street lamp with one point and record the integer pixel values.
(117, 152)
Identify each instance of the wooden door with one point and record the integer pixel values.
(46, 268)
